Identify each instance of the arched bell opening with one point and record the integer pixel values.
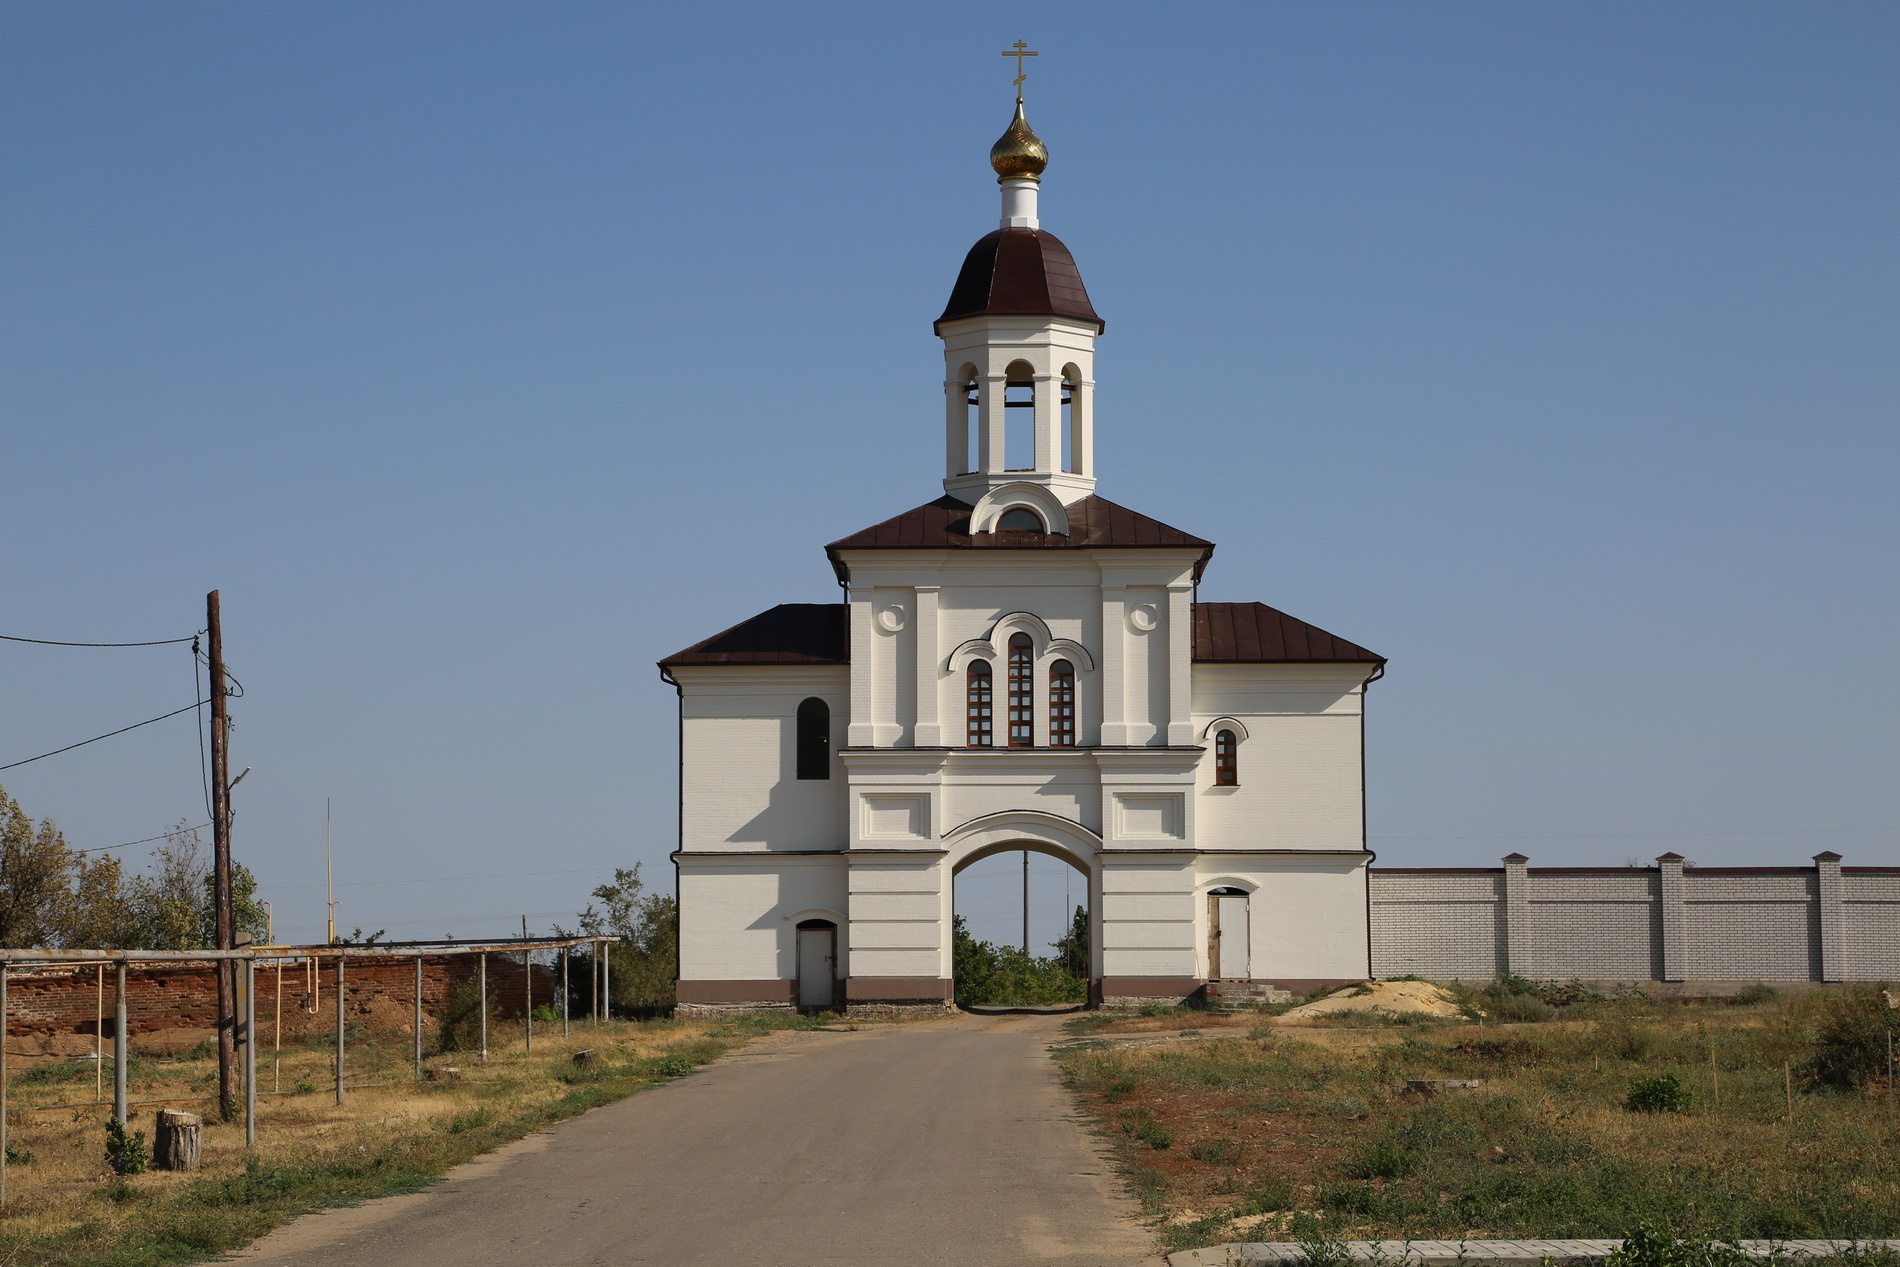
(1024, 926)
(1019, 417)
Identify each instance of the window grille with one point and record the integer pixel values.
(1062, 704)
(978, 706)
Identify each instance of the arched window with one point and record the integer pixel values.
(814, 739)
(978, 706)
(1062, 704)
(1019, 519)
(1022, 692)
(1019, 413)
(1226, 764)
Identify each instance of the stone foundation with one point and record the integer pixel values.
(899, 1011)
(728, 1009)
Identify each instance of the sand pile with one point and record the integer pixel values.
(1378, 996)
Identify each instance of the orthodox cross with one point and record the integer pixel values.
(1019, 51)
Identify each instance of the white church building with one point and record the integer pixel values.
(1022, 664)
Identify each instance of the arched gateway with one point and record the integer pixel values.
(1021, 664)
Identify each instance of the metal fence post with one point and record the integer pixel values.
(484, 1008)
(118, 1043)
(339, 1029)
(250, 1053)
(527, 1017)
(564, 992)
(3, 1086)
(607, 982)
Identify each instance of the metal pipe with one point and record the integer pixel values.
(484, 1008)
(118, 1044)
(607, 984)
(379, 951)
(418, 1022)
(99, 1037)
(339, 1031)
(527, 984)
(564, 992)
(250, 1053)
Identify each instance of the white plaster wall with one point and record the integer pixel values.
(736, 915)
(1147, 918)
(1300, 760)
(898, 928)
(1306, 916)
(738, 741)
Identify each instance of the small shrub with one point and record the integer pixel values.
(1664, 1093)
(1646, 1247)
(546, 1014)
(20, 1156)
(125, 1153)
(667, 1067)
(305, 1088)
(1626, 1040)
(474, 1119)
(1268, 1198)
(1215, 1152)
(1115, 1090)
(1849, 1048)
(1383, 1159)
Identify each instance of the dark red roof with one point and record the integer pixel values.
(817, 633)
(1247, 633)
(1020, 272)
(1094, 523)
(791, 633)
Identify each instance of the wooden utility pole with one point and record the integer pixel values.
(221, 864)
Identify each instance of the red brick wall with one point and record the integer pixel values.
(43, 1001)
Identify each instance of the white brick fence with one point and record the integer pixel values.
(1669, 922)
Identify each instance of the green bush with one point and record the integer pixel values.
(125, 1153)
(667, 1067)
(1851, 1040)
(1646, 1247)
(1216, 1152)
(1665, 1093)
(1005, 976)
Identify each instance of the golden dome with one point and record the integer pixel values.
(1020, 152)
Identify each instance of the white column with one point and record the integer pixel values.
(1082, 418)
(1048, 417)
(1114, 635)
(929, 685)
(862, 732)
(956, 429)
(990, 416)
(1180, 664)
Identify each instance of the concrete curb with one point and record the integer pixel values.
(1486, 1252)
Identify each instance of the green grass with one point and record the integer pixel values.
(1594, 1128)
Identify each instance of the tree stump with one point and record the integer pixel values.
(443, 1073)
(181, 1140)
(584, 1059)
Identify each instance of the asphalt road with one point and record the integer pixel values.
(941, 1142)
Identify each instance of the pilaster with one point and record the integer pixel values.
(1048, 417)
(1180, 729)
(1114, 635)
(1829, 891)
(1674, 922)
(929, 732)
(990, 415)
(862, 732)
(1517, 915)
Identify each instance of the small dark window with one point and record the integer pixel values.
(1016, 519)
(1062, 704)
(814, 739)
(978, 707)
(1022, 693)
(1226, 767)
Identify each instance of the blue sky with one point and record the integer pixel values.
(481, 354)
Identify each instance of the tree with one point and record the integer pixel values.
(36, 869)
(1072, 949)
(644, 963)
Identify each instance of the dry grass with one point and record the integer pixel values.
(67, 1207)
(1253, 1131)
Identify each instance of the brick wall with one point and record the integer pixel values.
(1669, 922)
(47, 1001)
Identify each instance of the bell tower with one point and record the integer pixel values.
(1019, 349)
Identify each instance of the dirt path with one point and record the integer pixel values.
(945, 1142)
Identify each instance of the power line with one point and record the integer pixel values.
(96, 738)
(148, 840)
(48, 642)
(444, 879)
